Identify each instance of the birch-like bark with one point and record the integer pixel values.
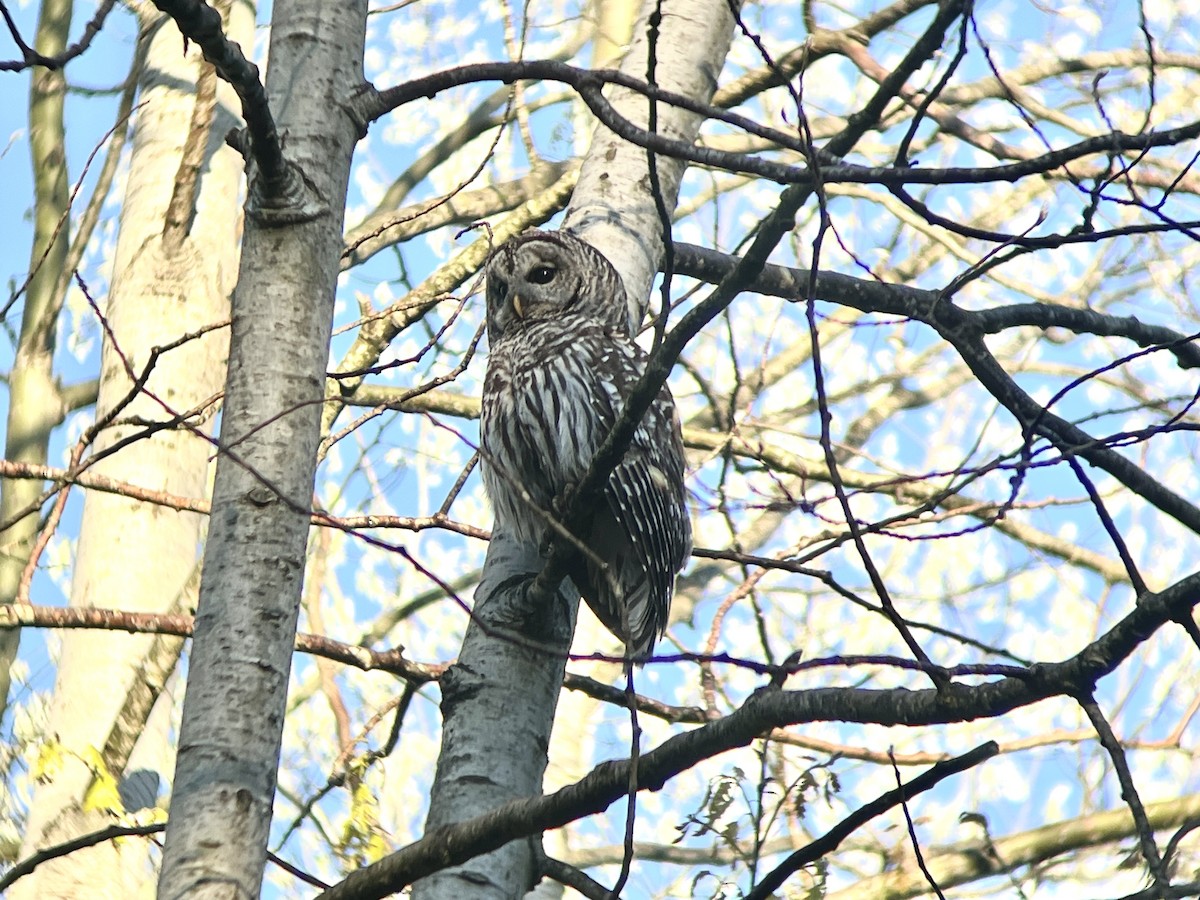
(498, 704)
(233, 710)
(132, 555)
(613, 207)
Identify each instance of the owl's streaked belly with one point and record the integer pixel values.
(546, 403)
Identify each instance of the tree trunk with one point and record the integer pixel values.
(499, 699)
(132, 555)
(613, 207)
(233, 711)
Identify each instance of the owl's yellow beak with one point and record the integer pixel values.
(516, 302)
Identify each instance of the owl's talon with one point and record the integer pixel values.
(561, 502)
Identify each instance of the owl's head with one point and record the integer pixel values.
(544, 275)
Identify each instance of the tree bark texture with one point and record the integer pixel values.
(250, 591)
(613, 207)
(498, 704)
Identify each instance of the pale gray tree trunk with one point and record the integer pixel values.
(613, 208)
(498, 704)
(499, 699)
(233, 710)
(132, 555)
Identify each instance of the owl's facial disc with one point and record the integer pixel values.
(538, 274)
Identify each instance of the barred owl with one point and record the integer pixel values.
(560, 366)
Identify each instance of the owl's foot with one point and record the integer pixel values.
(547, 544)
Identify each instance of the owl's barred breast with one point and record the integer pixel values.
(549, 399)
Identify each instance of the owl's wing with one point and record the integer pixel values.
(658, 533)
(648, 537)
(646, 493)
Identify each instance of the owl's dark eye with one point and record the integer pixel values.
(541, 274)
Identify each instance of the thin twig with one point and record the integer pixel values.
(830, 841)
(1129, 792)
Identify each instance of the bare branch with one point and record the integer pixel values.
(25, 866)
(1128, 790)
(30, 57)
(877, 807)
(370, 104)
(180, 625)
(199, 22)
